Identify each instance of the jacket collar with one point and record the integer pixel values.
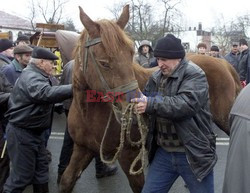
(18, 67)
(36, 69)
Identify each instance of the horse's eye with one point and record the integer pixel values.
(104, 63)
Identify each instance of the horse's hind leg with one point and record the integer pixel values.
(80, 159)
(135, 181)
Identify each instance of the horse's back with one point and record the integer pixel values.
(224, 85)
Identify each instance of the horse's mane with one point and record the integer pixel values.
(114, 39)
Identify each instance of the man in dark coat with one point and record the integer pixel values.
(244, 64)
(237, 171)
(22, 55)
(29, 115)
(6, 52)
(233, 56)
(5, 89)
(181, 141)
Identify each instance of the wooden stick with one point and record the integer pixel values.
(4, 148)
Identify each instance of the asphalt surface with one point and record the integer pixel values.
(119, 183)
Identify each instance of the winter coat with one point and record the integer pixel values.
(244, 66)
(141, 58)
(187, 106)
(13, 71)
(67, 79)
(4, 60)
(237, 170)
(233, 59)
(32, 98)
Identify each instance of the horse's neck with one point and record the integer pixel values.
(142, 74)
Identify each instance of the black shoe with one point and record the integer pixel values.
(106, 171)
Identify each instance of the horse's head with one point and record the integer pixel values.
(105, 56)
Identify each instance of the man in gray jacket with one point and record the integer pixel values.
(29, 115)
(237, 171)
(180, 139)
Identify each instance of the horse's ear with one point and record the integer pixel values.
(89, 24)
(124, 17)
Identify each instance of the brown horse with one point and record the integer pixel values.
(104, 64)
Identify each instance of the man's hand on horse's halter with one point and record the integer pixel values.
(141, 105)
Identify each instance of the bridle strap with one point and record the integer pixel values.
(104, 83)
(123, 89)
(92, 42)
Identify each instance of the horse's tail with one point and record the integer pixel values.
(236, 78)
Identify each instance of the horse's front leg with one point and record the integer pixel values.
(80, 159)
(127, 157)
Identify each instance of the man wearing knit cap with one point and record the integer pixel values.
(29, 114)
(22, 55)
(244, 64)
(180, 139)
(6, 52)
(215, 52)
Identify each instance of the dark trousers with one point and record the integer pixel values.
(67, 150)
(4, 162)
(28, 157)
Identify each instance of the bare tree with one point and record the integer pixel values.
(225, 33)
(171, 15)
(69, 25)
(32, 14)
(50, 10)
(144, 23)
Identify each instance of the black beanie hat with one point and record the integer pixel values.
(214, 48)
(169, 47)
(5, 44)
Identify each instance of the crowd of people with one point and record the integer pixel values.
(180, 141)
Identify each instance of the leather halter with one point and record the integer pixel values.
(123, 89)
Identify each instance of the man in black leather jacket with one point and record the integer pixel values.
(180, 140)
(29, 115)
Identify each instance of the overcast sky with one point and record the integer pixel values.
(205, 11)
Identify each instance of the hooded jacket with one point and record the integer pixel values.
(141, 58)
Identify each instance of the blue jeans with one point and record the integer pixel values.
(167, 167)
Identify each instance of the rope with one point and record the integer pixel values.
(126, 125)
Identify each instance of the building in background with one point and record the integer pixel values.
(12, 26)
(193, 36)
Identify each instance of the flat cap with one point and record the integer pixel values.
(42, 53)
(20, 49)
(5, 44)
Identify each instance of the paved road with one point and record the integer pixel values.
(118, 183)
